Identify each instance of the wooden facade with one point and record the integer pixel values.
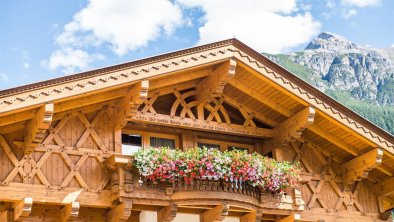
(62, 156)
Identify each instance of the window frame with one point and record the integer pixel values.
(224, 145)
(145, 137)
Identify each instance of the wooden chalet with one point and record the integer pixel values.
(65, 143)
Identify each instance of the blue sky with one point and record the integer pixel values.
(46, 39)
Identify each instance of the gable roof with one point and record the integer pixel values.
(119, 75)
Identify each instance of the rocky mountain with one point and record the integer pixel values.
(360, 77)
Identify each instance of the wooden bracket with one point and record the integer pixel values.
(36, 127)
(213, 85)
(386, 187)
(217, 213)
(291, 128)
(168, 213)
(251, 217)
(128, 104)
(120, 212)
(23, 208)
(69, 212)
(291, 218)
(359, 167)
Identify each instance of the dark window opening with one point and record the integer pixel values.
(161, 142)
(131, 143)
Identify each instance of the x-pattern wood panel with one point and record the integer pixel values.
(346, 196)
(28, 168)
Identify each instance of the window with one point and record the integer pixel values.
(162, 142)
(237, 148)
(131, 143)
(209, 145)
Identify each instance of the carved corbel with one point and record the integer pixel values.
(23, 208)
(168, 213)
(70, 212)
(121, 212)
(121, 176)
(217, 213)
(36, 127)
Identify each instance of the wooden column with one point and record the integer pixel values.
(217, 213)
(167, 214)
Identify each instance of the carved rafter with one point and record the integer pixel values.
(213, 85)
(266, 100)
(167, 214)
(69, 212)
(291, 128)
(128, 105)
(121, 212)
(23, 208)
(36, 127)
(359, 167)
(217, 213)
(386, 187)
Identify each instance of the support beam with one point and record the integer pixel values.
(69, 212)
(213, 85)
(217, 213)
(121, 212)
(359, 167)
(167, 214)
(134, 216)
(250, 217)
(36, 127)
(291, 129)
(266, 100)
(335, 140)
(189, 123)
(386, 187)
(23, 208)
(291, 218)
(128, 104)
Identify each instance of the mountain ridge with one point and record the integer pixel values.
(360, 77)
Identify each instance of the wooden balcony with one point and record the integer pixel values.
(198, 197)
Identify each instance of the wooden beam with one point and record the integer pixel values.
(386, 187)
(167, 214)
(291, 129)
(36, 127)
(291, 218)
(128, 105)
(250, 217)
(236, 104)
(217, 213)
(359, 167)
(121, 212)
(335, 140)
(17, 117)
(188, 123)
(213, 85)
(22, 208)
(69, 212)
(266, 100)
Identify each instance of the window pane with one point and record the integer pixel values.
(131, 143)
(161, 142)
(209, 146)
(237, 148)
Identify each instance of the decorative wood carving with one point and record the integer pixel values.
(359, 167)
(120, 212)
(217, 213)
(168, 213)
(36, 127)
(213, 85)
(70, 212)
(128, 105)
(23, 208)
(291, 128)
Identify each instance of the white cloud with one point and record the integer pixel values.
(265, 25)
(361, 3)
(26, 65)
(330, 4)
(69, 59)
(349, 13)
(392, 45)
(123, 24)
(3, 77)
